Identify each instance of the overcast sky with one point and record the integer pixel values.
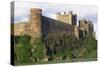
(22, 10)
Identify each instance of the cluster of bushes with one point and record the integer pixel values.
(38, 50)
(25, 52)
(67, 47)
(59, 45)
(56, 46)
(22, 49)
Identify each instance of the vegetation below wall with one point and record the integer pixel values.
(67, 47)
(54, 47)
(22, 49)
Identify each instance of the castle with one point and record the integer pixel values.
(39, 25)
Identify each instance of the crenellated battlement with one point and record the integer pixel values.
(65, 17)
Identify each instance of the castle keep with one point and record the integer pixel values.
(69, 18)
(39, 25)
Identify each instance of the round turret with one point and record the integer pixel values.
(35, 21)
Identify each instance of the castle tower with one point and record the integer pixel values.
(69, 18)
(86, 26)
(35, 22)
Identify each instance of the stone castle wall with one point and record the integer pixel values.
(54, 26)
(18, 28)
(39, 25)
